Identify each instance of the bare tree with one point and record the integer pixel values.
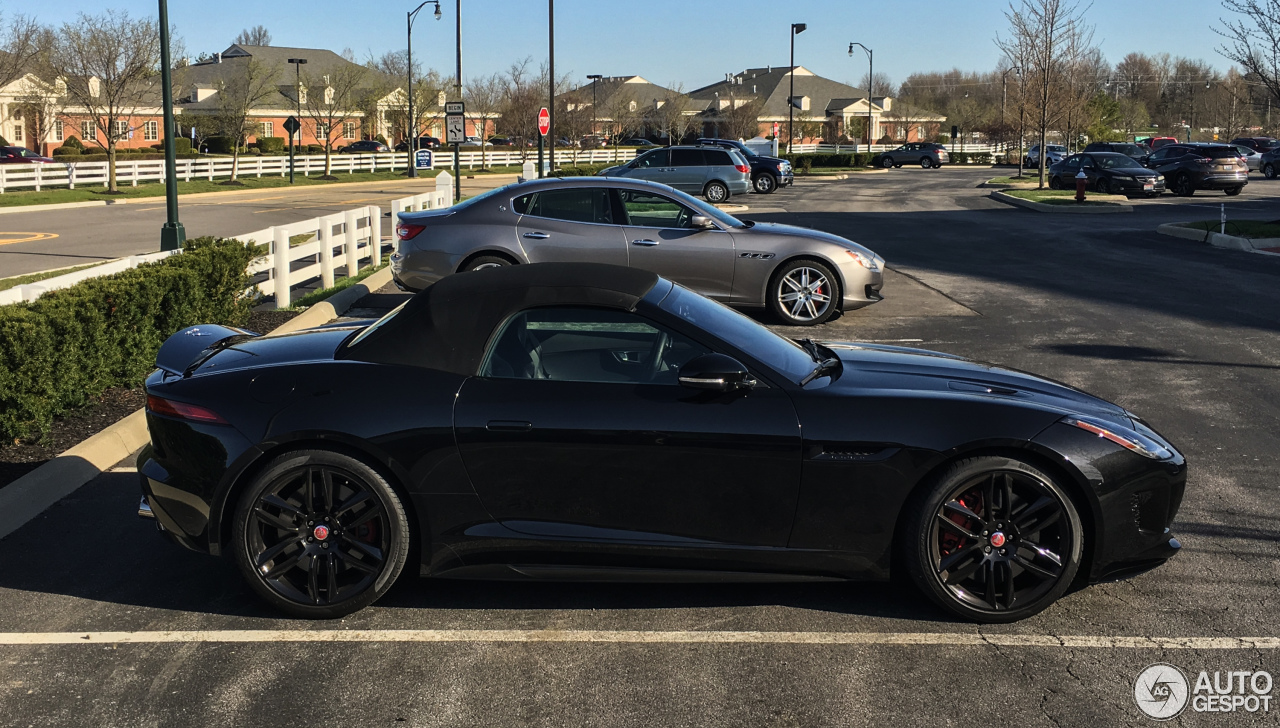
(109, 63)
(483, 98)
(255, 36)
(1049, 36)
(389, 76)
(239, 93)
(621, 116)
(21, 42)
(1253, 40)
(675, 114)
(333, 100)
(523, 93)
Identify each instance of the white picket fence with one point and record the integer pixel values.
(32, 291)
(852, 148)
(131, 172)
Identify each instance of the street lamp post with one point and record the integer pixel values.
(172, 234)
(1004, 79)
(871, 84)
(298, 63)
(594, 78)
(796, 29)
(551, 65)
(457, 148)
(412, 125)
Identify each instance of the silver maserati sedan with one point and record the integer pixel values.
(803, 276)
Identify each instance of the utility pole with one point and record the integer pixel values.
(172, 234)
(871, 84)
(551, 64)
(595, 77)
(457, 178)
(297, 92)
(796, 29)
(412, 125)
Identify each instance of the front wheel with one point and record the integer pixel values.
(804, 293)
(926, 163)
(1104, 188)
(886, 162)
(1269, 171)
(320, 535)
(1055, 183)
(1233, 191)
(992, 540)
(765, 184)
(1183, 186)
(715, 192)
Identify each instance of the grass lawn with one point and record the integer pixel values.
(823, 171)
(1013, 180)
(1238, 228)
(15, 281)
(1061, 197)
(317, 296)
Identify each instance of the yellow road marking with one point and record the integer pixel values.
(25, 237)
(944, 639)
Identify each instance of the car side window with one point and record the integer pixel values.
(1072, 162)
(571, 344)
(718, 158)
(686, 158)
(656, 158)
(1086, 162)
(646, 209)
(585, 204)
(1160, 155)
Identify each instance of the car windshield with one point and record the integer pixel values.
(1116, 161)
(1056, 148)
(776, 352)
(1129, 149)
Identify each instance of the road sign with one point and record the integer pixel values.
(454, 107)
(544, 121)
(455, 129)
(422, 159)
(291, 125)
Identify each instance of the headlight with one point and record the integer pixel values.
(1122, 436)
(866, 261)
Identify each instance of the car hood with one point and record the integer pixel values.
(290, 348)
(896, 368)
(777, 228)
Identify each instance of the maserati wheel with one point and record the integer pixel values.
(804, 293)
(994, 540)
(320, 535)
(487, 261)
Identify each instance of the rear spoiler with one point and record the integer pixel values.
(190, 347)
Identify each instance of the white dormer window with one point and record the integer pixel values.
(800, 102)
(60, 86)
(302, 95)
(631, 106)
(95, 87)
(328, 96)
(658, 104)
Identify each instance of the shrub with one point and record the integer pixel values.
(315, 149)
(582, 170)
(219, 144)
(271, 145)
(981, 157)
(73, 142)
(380, 139)
(959, 157)
(181, 145)
(66, 347)
(66, 151)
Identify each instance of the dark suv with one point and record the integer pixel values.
(1192, 166)
(1258, 144)
(767, 173)
(1133, 151)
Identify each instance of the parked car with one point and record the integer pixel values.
(1192, 166)
(803, 276)
(601, 422)
(1252, 158)
(475, 141)
(636, 142)
(498, 141)
(767, 173)
(926, 154)
(1133, 151)
(1108, 173)
(1258, 144)
(1053, 154)
(593, 142)
(367, 146)
(22, 155)
(1154, 143)
(1269, 163)
(424, 142)
(713, 172)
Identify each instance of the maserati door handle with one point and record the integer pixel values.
(537, 236)
(509, 426)
(645, 243)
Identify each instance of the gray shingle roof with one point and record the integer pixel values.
(208, 74)
(771, 86)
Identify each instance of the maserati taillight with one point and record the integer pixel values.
(407, 231)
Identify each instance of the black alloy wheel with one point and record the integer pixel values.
(487, 261)
(926, 163)
(1104, 188)
(994, 540)
(320, 535)
(1183, 186)
(1233, 191)
(715, 191)
(886, 162)
(765, 184)
(1269, 171)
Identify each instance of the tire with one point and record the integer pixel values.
(886, 162)
(485, 261)
(798, 298)
(897, 166)
(956, 559)
(1183, 186)
(1233, 191)
(926, 163)
(346, 569)
(765, 184)
(715, 192)
(1103, 187)
(1055, 183)
(1269, 171)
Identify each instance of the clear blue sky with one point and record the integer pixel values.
(668, 41)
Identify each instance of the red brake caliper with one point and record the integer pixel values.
(952, 541)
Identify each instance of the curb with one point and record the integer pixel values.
(29, 496)
(1218, 240)
(1063, 209)
(1011, 185)
(57, 206)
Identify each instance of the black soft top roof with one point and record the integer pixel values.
(447, 326)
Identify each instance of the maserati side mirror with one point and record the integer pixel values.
(716, 372)
(702, 222)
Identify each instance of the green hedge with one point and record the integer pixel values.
(143, 157)
(582, 170)
(219, 144)
(65, 151)
(72, 141)
(66, 347)
(271, 145)
(807, 161)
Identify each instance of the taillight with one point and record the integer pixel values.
(742, 168)
(183, 411)
(406, 231)
(1205, 160)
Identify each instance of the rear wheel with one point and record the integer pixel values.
(1055, 183)
(484, 262)
(715, 192)
(926, 163)
(320, 535)
(765, 183)
(993, 540)
(804, 293)
(886, 162)
(1269, 171)
(1183, 186)
(1233, 191)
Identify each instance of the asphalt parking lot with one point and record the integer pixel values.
(102, 623)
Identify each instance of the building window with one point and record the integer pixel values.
(302, 95)
(322, 131)
(151, 131)
(328, 96)
(266, 129)
(348, 130)
(17, 132)
(89, 129)
(57, 131)
(122, 129)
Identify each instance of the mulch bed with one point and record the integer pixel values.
(18, 459)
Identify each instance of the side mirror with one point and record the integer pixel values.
(702, 222)
(716, 372)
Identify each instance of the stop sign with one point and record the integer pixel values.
(544, 121)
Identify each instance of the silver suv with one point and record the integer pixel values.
(715, 173)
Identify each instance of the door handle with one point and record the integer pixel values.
(645, 243)
(508, 426)
(537, 236)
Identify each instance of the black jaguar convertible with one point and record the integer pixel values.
(579, 421)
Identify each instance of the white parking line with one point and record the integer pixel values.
(644, 637)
